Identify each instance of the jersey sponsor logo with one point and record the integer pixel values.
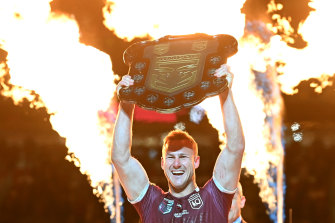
(180, 214)
(195, 201)
(166, 206)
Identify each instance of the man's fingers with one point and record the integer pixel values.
(126, 81)
(224, 71)
(229, 78)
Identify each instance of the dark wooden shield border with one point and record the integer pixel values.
(176, 72)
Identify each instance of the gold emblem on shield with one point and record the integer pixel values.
(173, 73)
(199, 45)
(161, 49)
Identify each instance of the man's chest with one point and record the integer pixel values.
(196, 208)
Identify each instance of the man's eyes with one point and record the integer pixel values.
(180, 157)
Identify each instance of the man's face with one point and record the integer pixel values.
(179, 166)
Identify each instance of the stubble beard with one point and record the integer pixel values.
(183, 186)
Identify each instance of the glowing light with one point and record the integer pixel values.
(263, 150)
(297, 136)
(313, 61)
(180, 126)
(295, 126)
(196, 114)
(74, 82)
(154, 19)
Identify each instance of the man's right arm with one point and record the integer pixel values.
(228, 164)
(131, 173)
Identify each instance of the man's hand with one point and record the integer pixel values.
(224, 70)
(126, 81)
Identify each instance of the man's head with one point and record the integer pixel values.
(179, 159)
(178, 139)
(237, 204)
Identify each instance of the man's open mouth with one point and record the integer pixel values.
(177, 172)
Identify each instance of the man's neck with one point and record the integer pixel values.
(183, 191)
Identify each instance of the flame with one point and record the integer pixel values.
(257, 108)
(260, 113)
(154, 19)
(74, 81)
(262, 121)
(313, 61)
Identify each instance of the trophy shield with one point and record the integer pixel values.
(176, 72)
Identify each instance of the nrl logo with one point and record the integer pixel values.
(161, 49)
(199, 45)
(195, 201)
(166, 206)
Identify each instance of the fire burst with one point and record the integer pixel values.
(74, 82)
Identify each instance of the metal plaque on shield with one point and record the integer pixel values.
(176, 72)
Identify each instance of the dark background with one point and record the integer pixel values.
(38, 185)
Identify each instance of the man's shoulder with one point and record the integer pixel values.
(154, 192)
(209, 190)
(156, 188)
(209, 183)
(210, 186)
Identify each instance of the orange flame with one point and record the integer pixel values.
(157, 19)
(263, 140)
(152, 18)
(74, 82)
(264, 146)
(313, 61)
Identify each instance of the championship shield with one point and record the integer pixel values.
(176, 72)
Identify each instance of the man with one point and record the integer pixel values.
(236, 206)
(185, 201)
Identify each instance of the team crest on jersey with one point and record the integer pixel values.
(166, 206)
(195, 201)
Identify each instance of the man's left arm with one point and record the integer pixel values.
(228, 164)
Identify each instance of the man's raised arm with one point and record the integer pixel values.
(228, 165)
(131, 173)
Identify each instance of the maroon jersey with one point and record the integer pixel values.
(205, 205)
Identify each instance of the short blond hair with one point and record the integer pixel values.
(178, 139)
